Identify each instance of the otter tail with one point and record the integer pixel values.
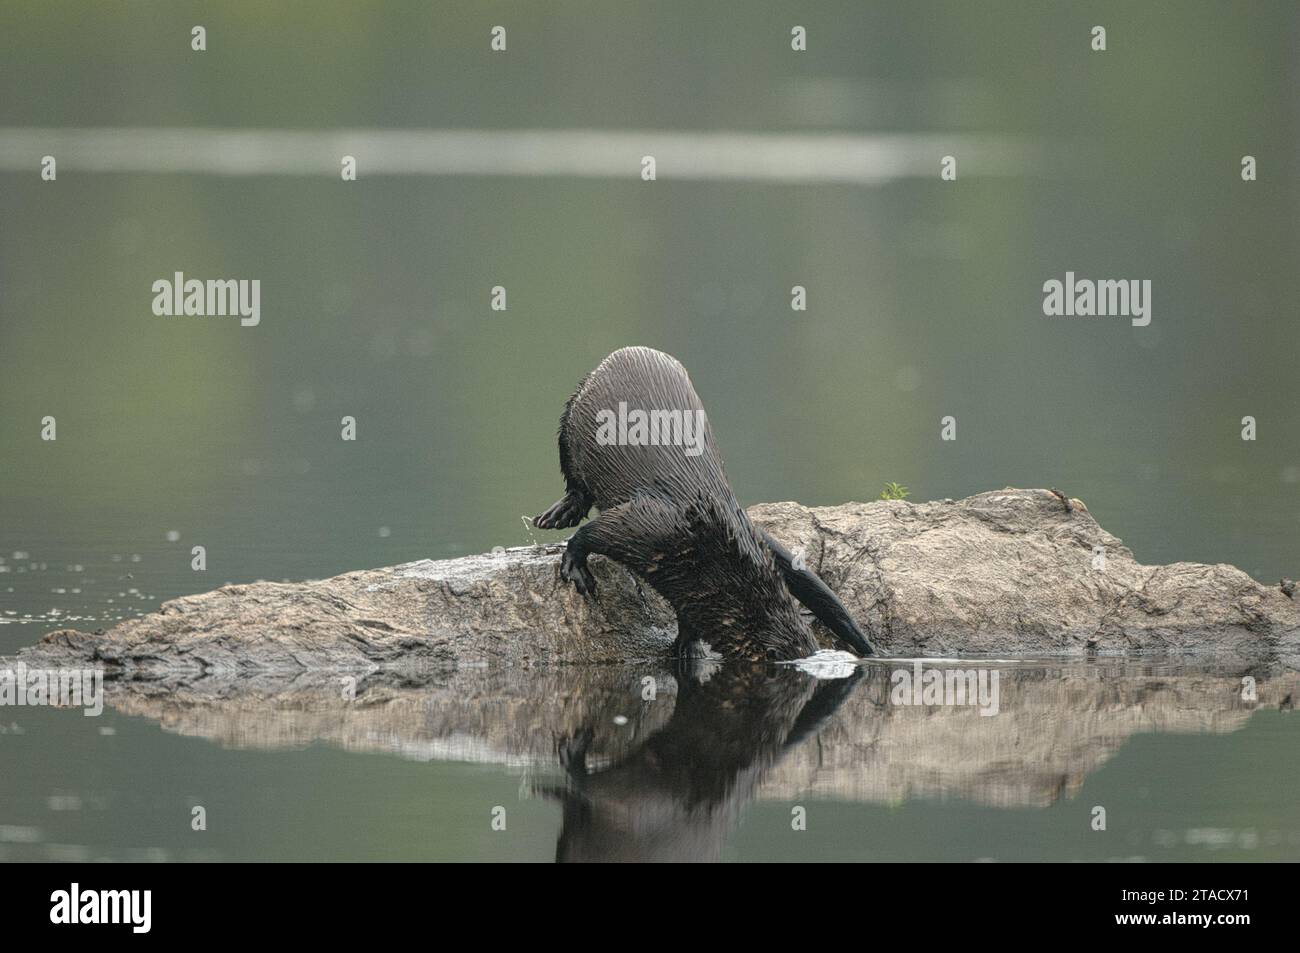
(807, 587)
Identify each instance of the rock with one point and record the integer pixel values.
(1010, 572)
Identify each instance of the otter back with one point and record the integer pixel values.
(631, 386)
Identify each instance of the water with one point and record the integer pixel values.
(924, 301)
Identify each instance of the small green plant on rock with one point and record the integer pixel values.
(894, 491)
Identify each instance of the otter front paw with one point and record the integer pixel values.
(565, 512)
(574, 569)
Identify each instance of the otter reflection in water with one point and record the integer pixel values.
(677, 794)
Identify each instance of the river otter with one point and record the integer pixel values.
(668, 514)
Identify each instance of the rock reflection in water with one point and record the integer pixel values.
(648, 763)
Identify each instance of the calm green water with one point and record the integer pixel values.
(924, 301)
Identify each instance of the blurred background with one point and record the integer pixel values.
(924, 296)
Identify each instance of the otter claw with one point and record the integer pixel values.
(562, 514)
(575, 571)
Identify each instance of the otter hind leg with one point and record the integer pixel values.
(634, 534)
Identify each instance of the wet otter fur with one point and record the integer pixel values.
(672, 518)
